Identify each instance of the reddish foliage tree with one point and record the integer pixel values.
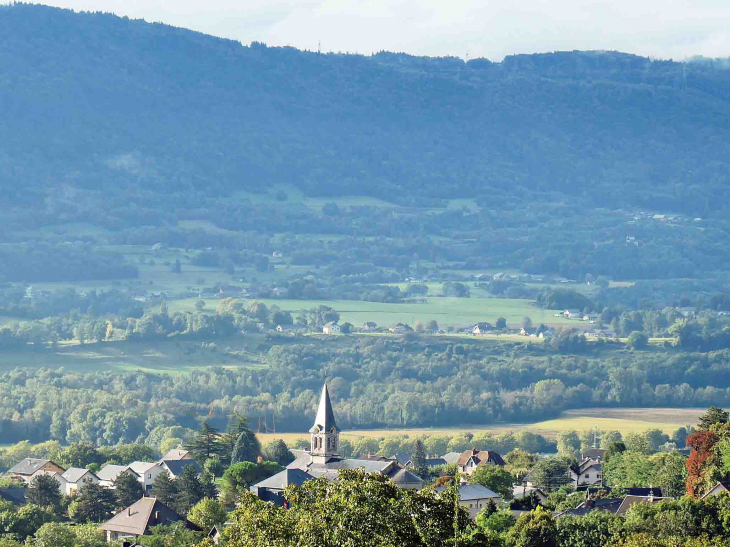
(701, 443)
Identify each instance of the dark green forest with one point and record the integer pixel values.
(93, 100)
(134, 127)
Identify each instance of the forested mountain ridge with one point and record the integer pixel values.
(152, 112)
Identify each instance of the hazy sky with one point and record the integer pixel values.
(481, 28)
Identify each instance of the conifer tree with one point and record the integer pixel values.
(165, 489)
(127, 489)
(205, 443)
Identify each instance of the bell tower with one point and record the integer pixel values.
(325, 435)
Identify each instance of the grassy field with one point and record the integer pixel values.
(169, 357)
(620, 419)
(446, 311)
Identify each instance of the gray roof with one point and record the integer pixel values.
(135, 519)
(74, 474)
(594, 453)
(111, 472)
(176, 454)
(402, 476)
(28, 466)
(402, 457)
(13, 495)
(472, 492)
(142, 467)
(325, 419)
(610, 505)
(330, 324)
(336, 464)
(331, 469)
(451, 457)
(283, 479)
(176, 467)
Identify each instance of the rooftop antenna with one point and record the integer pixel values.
(319, 47)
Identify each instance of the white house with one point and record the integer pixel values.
(147, 472)
(519, 492)
(176, 467)
(474, 497)
(482, 328)
(75, 477)
(720, 487)
(590, 473)
(331, 328)
(109, 473)
(62, 482)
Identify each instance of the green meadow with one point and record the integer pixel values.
(445, 310)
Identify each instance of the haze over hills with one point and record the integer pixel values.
(97, 101)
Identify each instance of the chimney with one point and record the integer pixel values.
(129, 511)
(157, 516)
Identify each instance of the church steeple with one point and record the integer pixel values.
(325, 434)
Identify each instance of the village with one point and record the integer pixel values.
(583, 479)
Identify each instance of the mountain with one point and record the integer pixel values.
(96, 102)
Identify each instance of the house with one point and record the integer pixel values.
(15, 496)
(546, 335)
(369, 326)
(147, 473)
(451, 457)
(109, 473)
(628, 501)
(572, 314)
(519, 492)
(400, 328)
(176, 454)
(331, 328)
(469, 460)
(323, 459)
(482, 328)
(474, 497)
(527, 331)
(137, 519)
(589, 473)
(24, 469)
(216, 533)
(612, 505)
(428, 462)
(592, 317)
(720, 487)
(403, 458)
(277, 254)
(75, 477)
(62, 482)
(593, 454)
(286, 328)
(272, 489)
(176, 467)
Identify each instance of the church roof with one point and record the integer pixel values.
(325, 420)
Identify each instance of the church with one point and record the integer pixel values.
(323, 460)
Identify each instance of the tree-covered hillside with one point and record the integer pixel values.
(94, 101)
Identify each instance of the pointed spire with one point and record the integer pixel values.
(325, 416)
